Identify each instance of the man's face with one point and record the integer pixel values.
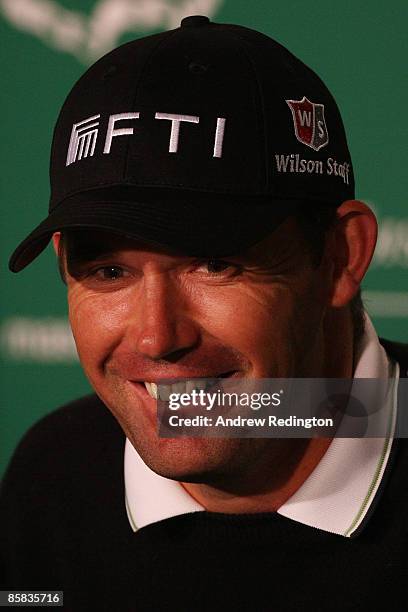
(140, 314)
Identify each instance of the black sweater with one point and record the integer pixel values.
(63, 526)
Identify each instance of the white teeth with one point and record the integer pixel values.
(190, 386)
(163, 392)
(202, 383)
(179, 387)
(151, 389)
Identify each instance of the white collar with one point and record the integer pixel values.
(335, 497)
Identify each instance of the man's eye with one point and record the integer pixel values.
(109, 273)
(218, 266)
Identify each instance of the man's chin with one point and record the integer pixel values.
(195, 460)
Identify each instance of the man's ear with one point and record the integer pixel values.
(351, 249)
(55, 241)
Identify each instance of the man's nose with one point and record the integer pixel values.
(162, 320)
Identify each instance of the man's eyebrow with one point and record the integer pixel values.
(96, 254)
(90, 252)
(82, 254)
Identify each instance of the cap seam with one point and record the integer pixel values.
(162, 41)
(262, 131)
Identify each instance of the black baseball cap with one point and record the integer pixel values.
(202, 139)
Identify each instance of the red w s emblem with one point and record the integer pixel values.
(309, 123)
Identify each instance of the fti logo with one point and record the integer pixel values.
(309, 123)
(83, 139)
(84, 134)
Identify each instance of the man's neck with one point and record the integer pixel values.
(218, 499)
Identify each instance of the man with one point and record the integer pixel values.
(203, 215)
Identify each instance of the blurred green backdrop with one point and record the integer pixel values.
(358, 48)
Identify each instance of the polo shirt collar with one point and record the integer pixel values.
(336, 496)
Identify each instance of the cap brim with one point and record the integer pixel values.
(198, 225)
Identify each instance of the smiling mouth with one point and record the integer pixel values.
(163, 391)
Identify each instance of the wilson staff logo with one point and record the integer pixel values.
(309, 123)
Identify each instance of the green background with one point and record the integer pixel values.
(358, 48)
